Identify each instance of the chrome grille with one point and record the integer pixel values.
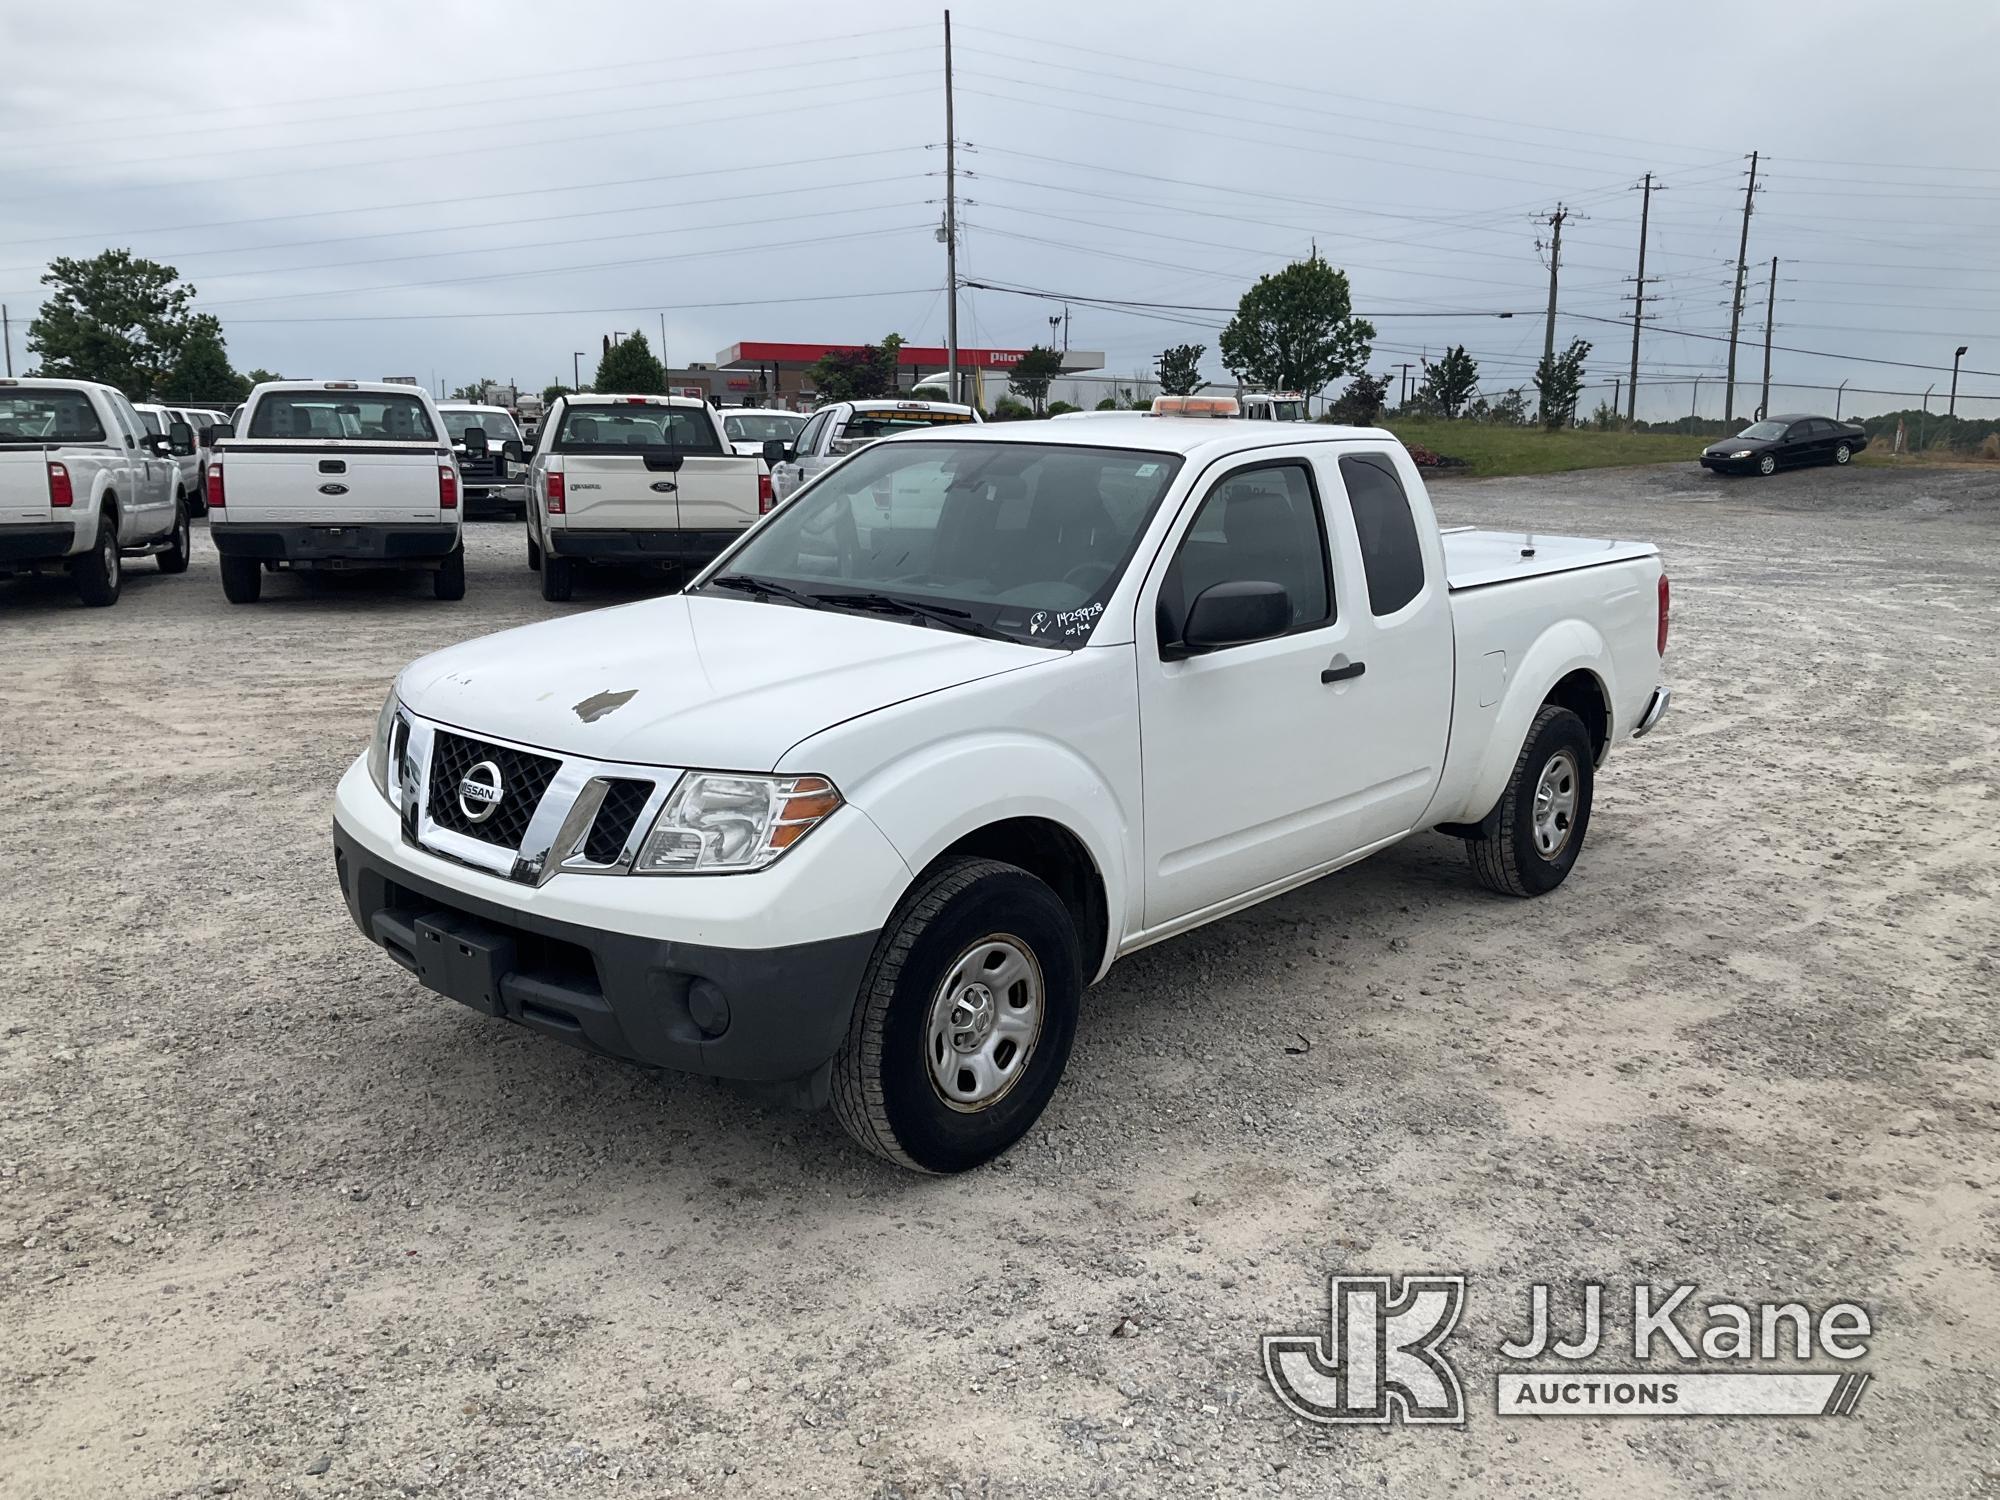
(524, 779)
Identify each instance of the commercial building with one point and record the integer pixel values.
(758, 373)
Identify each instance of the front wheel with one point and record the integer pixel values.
(1767, 466)
(180, 546)
(1527, 845)
(99, 572)
(964, 1020)
(242, 579)
(448, 582)
(1842, 453)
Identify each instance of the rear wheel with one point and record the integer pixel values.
(1842, 453)
(180, 544)
(558, 578)
(1528, 844)
(964, 1020)
(534, 554)
(448, 582)
(100, 572)
(242, 579)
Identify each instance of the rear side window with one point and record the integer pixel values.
(32, 416)
(1391, 556)
(614, 429)
(343, 416)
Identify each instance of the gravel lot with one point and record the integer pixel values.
(274, 1220)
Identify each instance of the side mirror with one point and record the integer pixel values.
(778, 451)
(180, 439)
(155, 443)
(220, 431)
(1235, 614)
(207, 436)
(476, 444)
(512, 449)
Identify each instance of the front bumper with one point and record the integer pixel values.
(635, 547)
(634, 967)
(365, 544)
(36, 544)
(495, 499)
(1729, 465)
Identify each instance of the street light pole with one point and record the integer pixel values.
(576, 369)
(1952, 410)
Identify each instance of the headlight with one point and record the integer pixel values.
(379, 747)
(714, 823)
(1741, 453)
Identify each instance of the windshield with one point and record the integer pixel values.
(31, 416)
(498, 426)
(342, 416)
(1023, 540)
(611, 429)
(762, 426)
(1765, 430)
(1289, 411)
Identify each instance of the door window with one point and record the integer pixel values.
(808, 442)
(1260, 524)
(1392, 558)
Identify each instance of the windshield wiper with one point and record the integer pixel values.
(748, 584)
(937, 614)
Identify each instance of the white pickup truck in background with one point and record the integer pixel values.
(843, 427)
(336, 474)
(84, 485)
(972, 715)
(494, 465)
(635, 481)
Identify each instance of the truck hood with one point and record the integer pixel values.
(724, 684)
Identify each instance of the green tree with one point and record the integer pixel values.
(1059, 408)
(1559, 381)
(1109, 403)
(550, 392)
(114, 317)
(260, 377)
(473, 392)
(628, 368)
(201, 372)
(1032, 373)
(1295, 330)
(1007, 409)
(1449, 383)
(1360, 405)
(1180, 369)
(1510, 409)
(859, 373)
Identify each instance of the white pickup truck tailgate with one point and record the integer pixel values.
(24, 486)
(619, 492)
(332, 482)
(1474, 558)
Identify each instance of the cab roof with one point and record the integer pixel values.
(1186, 435)
(903, 403)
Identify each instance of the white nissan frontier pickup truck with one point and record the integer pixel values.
(975, 713)
(336, 474)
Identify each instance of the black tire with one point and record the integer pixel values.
(883, 1093)
(1506, 853)
(448, 582)
(100, 573)
(242, 579)
(558, 578)
(1767, 465)
(1842, 453)
(181, 544)
(534, 554)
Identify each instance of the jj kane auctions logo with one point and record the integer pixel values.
(1382, 1358)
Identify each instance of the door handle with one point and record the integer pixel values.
(1342, 674)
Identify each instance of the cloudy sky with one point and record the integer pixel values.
(455, 190)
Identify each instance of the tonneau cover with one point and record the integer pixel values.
(1475, 558)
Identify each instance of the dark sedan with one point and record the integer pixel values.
(1783, 443)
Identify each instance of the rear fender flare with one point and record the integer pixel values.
(1565, 647)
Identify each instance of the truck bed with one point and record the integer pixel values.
(1474, 558)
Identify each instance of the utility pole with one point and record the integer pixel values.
(1614, 394)
(1403, 386)
(1770, 311)
(7, 339)
(1839, 396)
(1952, 411)
(1638, 302)
(576, 370)
(666, 379)
(950, 222)
(1555, 265)
(1736, 302)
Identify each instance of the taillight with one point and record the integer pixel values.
(447, 487)
(60, 494)
(558, 496)
(217, 499)
(1663, 614)
(764, 494)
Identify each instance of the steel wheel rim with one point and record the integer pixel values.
(984, 1021)
(1556, 792)
(109, 546)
